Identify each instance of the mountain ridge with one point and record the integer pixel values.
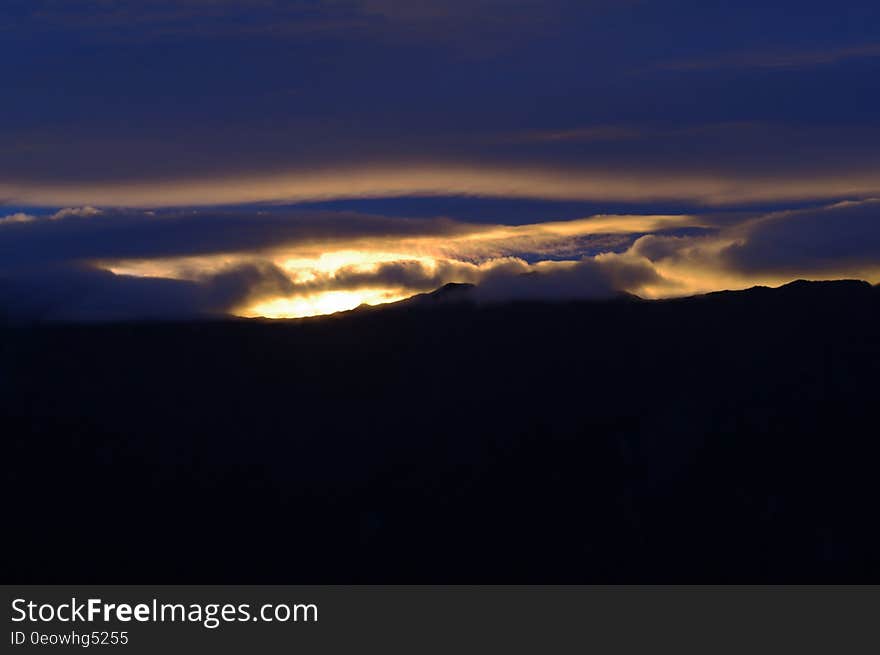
(722, 438)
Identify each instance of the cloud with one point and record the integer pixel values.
(86, 293)
(833, 241)
(589, 278)
(76, 211)
(83, 293)
(501, 279)
(21, 217)
(130, 235)
(776, 60)
(842, 237)
(407, 274)
(18, 217)
(257, 116)
(490, 181)
(497, 280)
(124, 235)
(143, 264)
(80, 263)
(504, 277)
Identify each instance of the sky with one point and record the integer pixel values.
(178, 158)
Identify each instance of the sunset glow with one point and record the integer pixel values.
(321, 303)
(445, 142)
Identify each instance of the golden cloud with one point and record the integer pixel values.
(316, 272)
(429, 179)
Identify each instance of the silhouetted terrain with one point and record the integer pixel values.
(724, 438)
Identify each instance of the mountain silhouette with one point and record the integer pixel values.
(730, 437)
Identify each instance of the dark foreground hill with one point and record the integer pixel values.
(726, 438)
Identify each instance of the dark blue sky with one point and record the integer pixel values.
(110, 90)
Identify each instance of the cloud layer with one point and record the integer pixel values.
(376, 181)
(175, 103)
(90, 264)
